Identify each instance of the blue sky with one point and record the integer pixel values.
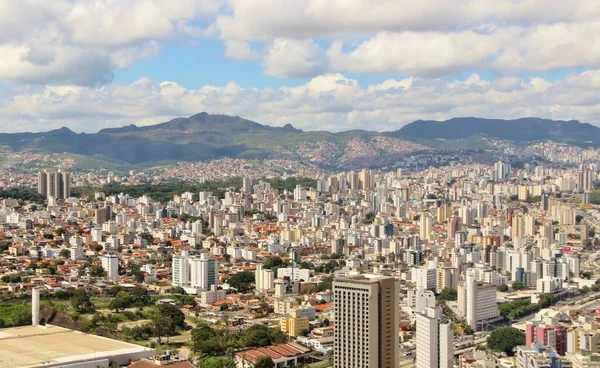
(377, 64)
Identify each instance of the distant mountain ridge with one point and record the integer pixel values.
(517, 130)
(205, 136)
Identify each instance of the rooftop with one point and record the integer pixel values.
(30, 346)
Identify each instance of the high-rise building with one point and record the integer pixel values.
(102, 215)
(56, 184)
(425, 226)
(247, 185)
(181, 269)
(204, 272)
(434, 339)
(585, 178)
(477, 302)
(366, 323)
(110, 263)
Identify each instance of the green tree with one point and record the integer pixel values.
(120, 302)
(65, 253)
(264, 362)
(505, 339)
(216, 362)
(518, 285)
(273, 262)
(81, 302)
(175, 315)
(447, 294)
(502, 288)
(162, 326)
(256, 336)
(241, 281)
(97, 271)
(139, 296)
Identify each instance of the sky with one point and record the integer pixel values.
(316, 64)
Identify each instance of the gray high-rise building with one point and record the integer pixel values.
(56, 184)
(366, 323)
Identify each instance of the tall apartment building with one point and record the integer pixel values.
(56, 184)
(477, 302)
(204, 272)
(366, 323)
(195, 274)
(434, 339)
(110, 263)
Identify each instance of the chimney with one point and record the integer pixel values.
(35, 306)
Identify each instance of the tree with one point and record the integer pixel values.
(81, 302)
(256, 336)
(518, 285)
(98, 247)
(546, 300)
(139, 296)
(502, 288)
(505, 339)
(264, 362)
(447, 294)
(162, 326)
(216, 362)
(97, 271)
(65, 253)
(273, 262)
(175, 315)
(241, 281)
(120, 302)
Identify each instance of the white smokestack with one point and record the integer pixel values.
(35, 307)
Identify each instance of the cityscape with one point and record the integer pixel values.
(299, 184)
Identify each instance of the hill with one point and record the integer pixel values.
(518, 130)
(204, 136)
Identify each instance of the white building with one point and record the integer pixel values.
(204, 272)
(424, 278)
(295, 274)
(434, 340)
(477, 302)
(212, 296)
(110, 263)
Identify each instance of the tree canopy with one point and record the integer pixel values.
(505, 339)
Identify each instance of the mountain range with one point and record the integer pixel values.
(204, 136)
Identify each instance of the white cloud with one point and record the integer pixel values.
(293, 58)
(239, 50)
(268, 19)
(83, 41)
(329, 101)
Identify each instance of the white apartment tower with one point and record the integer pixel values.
(204, 272)
(366, 323)
(110, 263)
(434, 339)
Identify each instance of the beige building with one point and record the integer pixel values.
(294, 325)
(366, 322)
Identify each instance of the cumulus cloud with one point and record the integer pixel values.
(239, 50)
(83, 41)
(330, 101)
(293, 58)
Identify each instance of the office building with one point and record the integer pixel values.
(366, 323)
(477, 302)
(434, 339)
